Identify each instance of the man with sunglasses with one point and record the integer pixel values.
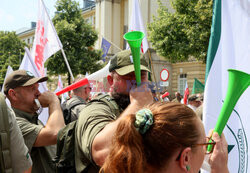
(72, 107)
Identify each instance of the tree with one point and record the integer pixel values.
(183, 34)
(77, 38)
(11, 51)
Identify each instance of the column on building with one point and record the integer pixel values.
(108, 22)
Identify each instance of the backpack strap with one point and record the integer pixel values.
(73, 104)
(5, 157)
(108, 100)
(66, 108)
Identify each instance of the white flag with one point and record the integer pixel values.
(136, 24)
(29, 65)
(65, 96)
(230, 49)
(46, 41)
(9, 70)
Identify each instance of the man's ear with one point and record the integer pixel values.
(185, 159)
(110, 80)
(12, 94)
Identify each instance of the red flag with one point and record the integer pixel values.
(46, 41)
(186, 94)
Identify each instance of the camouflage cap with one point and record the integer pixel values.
(21, 78)
(122, 63)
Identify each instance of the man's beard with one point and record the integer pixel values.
(121, 99)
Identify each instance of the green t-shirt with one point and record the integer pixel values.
(41, 156)
(93, 118)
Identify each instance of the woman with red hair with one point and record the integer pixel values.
(164, 137)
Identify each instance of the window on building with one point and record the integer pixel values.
(88, 20)
(181, 83)
(28, 41)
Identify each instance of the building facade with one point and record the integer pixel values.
(111, 19)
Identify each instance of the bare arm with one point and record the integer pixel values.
(102, 142)
(48, 134)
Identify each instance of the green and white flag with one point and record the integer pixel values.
(229, 48)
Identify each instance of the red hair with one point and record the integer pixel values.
(174, 127)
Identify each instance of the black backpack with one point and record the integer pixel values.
(67, 110)
(65, 154)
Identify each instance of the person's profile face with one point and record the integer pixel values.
(198, 151)
(27, 96)
(123, 84)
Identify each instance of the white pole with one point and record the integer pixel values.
(67, 63)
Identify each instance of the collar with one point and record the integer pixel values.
(80, 98)
(28, 116)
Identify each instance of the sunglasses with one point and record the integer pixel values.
(88, 88)
(210, 142)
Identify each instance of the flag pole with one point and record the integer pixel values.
(151, 62)
(59, 43)
(67, 64)
(113, 44)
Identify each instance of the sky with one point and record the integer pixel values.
(17, 14)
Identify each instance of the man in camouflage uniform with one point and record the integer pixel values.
(21, 88)
(98, 121)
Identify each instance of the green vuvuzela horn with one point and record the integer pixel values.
(238, 82)
(134, 39)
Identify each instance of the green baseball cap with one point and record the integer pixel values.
(21, 78)
(122, 63)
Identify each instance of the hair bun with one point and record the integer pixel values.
(143, 120)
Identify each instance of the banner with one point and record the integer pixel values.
(46, 41)
(136, 24)
(100, 74)
(229, 48)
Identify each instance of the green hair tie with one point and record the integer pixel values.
(143, 120)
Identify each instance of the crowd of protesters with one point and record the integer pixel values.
(132, 129)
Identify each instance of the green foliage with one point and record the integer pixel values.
(184, 33)
(11, 50)
(77, 38)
